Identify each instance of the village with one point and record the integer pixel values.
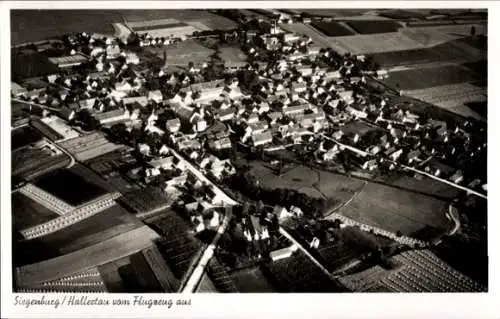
(183, 125)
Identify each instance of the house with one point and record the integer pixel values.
(66, 113)
(333, 75)
(225, 114)
(113, 116)
(173, 125)
(155, 96)
(17, 90)
(132, 58)
(112, 51)
(413, 155)
(296, 109)
(283, 253)
(220, 144)
(347, 96)
(299, 87)
(356, 112)
(457, 177)
(305, 71)
(251, 118)
(281, 212)
(87, 103)
(290, 37)
(141, 100)
(274, 116)
(123, 86)
(297, 212)
(262, 138)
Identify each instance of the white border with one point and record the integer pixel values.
(267, 305)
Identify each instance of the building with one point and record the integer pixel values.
(141, 100)
(66, 113)
(297, 109)
(167, 28)
(68, 61)
(283, 253)
(223, 143)
(155, 96)
(113, 116)
(262, 138)
(173, 125)
(17, 90)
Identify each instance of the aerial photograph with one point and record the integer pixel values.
(249, 150)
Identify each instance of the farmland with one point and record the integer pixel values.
(348, 244)
(29, 162)
(108, 223)
(454, 50)
(34, 25)
(298, 274)
(89, 146)
(28, 64)
(373, 43)
(23, 136)
(177, 246)
(79, 192)
(396, 210)
(423, 78)
(27, 213)
(232, 54)
(332, 29)
(252, 280)
(146, 200)
(98, 254)
(181, 53)
(373, 27)
(454, 98)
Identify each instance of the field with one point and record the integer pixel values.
(425, 185)
(373, 27)
(108, 223)
(454, 51)
(98, 254)
(181, 53)
(423, 78)
(70, 187)
(177, 246)
(396, 210)
(373, 43)
(349, 243)
(29, 162)
(332, 29)
(232, 54)
(28, 64)
(89, 146)
(298, 274)
(358, 127)
(23, 136)
(146, 200)
(399, 14)
(431, 36)
(35, 25)
(27, 213)
(455, 98)
(252, 280)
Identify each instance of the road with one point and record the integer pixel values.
(198, 268)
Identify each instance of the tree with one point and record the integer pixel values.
(472, 31)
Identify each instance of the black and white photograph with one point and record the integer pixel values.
(248, 150)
